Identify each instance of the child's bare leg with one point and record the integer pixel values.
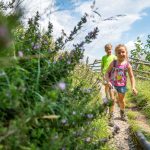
(121, 98)
(116, 98)
(107, 90)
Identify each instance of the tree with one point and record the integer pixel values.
(142, 50)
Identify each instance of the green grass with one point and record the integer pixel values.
(142, 103)
(142, 100)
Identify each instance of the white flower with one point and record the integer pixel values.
(88, 139)
(74, 113)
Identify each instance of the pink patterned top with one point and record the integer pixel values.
(118, 74)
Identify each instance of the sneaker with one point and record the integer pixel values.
(123, 115)
(111, 120)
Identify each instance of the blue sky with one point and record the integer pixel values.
(123, 30)
(141, 26)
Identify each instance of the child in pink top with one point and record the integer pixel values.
(116, 77)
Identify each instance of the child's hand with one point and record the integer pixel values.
(134, 91)
(109, 84)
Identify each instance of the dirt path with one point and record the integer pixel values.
(122, 139)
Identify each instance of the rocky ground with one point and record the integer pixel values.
(122, 139)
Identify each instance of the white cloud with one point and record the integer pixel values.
(130, 46)
(110, 31)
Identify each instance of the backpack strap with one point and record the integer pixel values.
(114, 63)
(126, 66)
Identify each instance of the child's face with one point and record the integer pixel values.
(108, 50)
(121, 53)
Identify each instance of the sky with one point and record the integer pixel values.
(65, 14)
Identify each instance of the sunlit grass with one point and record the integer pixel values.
(142, 100)
(142, 103)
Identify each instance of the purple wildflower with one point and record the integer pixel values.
(62, 85)
(64, 121)
(20, 53)
(90, 116)
(3, 31)
(37, 46)
(68, 62)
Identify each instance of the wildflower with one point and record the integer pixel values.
(45, 42)
(54, 62)
(105, 100)
(68, 62)
(64, 121)
(37, 46)
(89, 90)
(90, 116)
(62, 85)
(56, 137)
(32, 44)
(3, 31)
(88, 139)
(74, 113)
(20, 53)
(60, 57)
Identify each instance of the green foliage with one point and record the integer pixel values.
(142, 100)
(142, 50)
(48, 99)
(147, 47)
(142, 104)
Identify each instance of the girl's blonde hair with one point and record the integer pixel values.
(121, 45)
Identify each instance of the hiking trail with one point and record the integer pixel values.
(122, 139)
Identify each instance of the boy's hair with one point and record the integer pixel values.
(121, 45)
(108, 46)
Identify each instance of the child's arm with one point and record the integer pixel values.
(132, 79)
